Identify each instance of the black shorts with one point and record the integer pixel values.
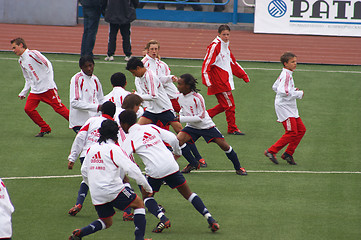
(174, 180)
(165, 117)
(208, 134)
(122, 201)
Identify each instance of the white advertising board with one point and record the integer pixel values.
(41, 12)
(315, 17)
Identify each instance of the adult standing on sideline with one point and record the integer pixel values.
(86, 94)
(119, 14)
(92, 9)
(218, 68)
(6, 210)
(39, 79)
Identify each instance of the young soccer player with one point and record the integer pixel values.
(6, 211)
(119, 93)
(161, 69)
(287, 111)
(86, 94)
(39, 79)
(218, 68)
(87, 136)
(199, 124)
(158, 107)
(104, 163)
(160, 165)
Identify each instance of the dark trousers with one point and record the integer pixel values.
(195, 7)
(112, 42)
(219, 8)
(91, 23)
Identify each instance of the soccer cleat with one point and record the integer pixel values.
(74, 210)
(237, 132)
(241, 171)
(213, 225)
(127, 58)
(288, 158)
(75, 235)
(128, 217)
(161, 226)
(109, 58)
(203, 163)
(189, 168)
(271, 156)
(41, 134)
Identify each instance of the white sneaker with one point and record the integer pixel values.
(107, 58)
(127, 58)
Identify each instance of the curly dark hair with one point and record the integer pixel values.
(190, 81)
(108, 130)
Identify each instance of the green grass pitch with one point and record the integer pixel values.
(317, 199)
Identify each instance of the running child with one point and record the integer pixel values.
(199, 124)
(160, 166)
(104, 163)
(287, 111)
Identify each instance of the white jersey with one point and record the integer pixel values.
(151, 90)
(86, 94)
(101, 170)
(37, 71)
(117, 96)
(286, 95)
(87, 136)
(147, 142)
(162, 70)
(6, 210)
(193, 111)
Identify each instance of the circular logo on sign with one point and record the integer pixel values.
(277, 8)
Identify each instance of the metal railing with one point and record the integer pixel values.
(190, 16)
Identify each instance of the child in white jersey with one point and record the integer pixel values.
(287, 112)
(160, 165)
(104, 163)
(199, 124)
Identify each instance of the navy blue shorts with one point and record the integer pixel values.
(165, 117)
(174, 180)
(208, 134)
(122, 201)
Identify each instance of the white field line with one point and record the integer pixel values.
(192, 66)
(201, 171)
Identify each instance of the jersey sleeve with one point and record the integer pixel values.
(27, 85)
(100, 93)
(169, 138)
(209, 59)
(237, 70)
(133, 171)
(152, 86)
(79, 142)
